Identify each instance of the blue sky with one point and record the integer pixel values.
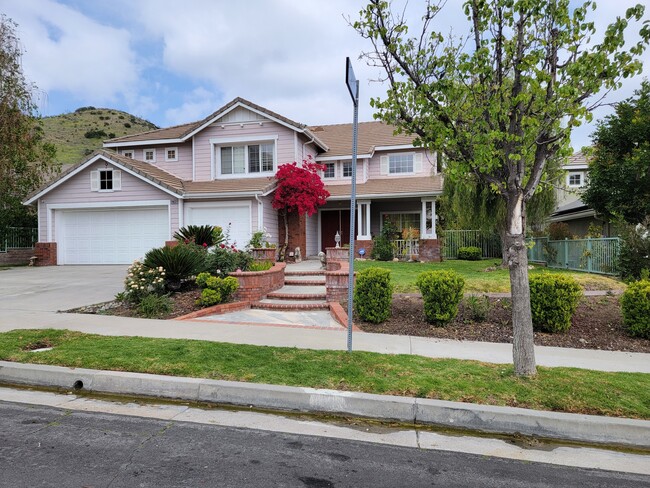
(173, 61)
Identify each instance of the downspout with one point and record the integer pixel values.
(305, 144)
(260, 212)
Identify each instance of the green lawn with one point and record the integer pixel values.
(477, 279)
(557, 389)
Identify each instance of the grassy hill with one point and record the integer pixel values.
(79, 133)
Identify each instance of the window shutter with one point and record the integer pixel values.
(417, 163)
(94, 181)
(383, 163)
(117, 180)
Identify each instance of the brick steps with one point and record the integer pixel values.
(305, 273)
(296, 296)
(270, 304)
(304, 282)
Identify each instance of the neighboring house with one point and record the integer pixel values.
(136, 193)
(570, 208)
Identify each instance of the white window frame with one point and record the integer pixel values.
(115, 179)
(128, 153)
(411, 154)
(325, 170)
(410, 212)
(575, 173)
(167, 158)
(144, 155)
(343, 164)
(218, 143)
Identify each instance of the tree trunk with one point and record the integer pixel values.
(504, 249)
(523, 350)
(282, 252)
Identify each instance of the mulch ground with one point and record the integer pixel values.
(597, 324)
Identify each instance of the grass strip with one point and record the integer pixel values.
(477, 279)
(556, 389)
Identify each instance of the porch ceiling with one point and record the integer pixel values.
(390, 188)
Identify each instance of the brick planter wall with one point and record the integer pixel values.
(430, 250)
(264, 254)
(46, 253)
(16, 256)
(173, 243)
(255, 285)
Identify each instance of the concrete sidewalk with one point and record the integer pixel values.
(270, 335)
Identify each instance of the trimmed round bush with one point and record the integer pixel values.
(553, 301)
(469, 253)
(373, 294)
(441, 291)
(635, 305)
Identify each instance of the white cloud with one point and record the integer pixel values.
(70, 52)
(196, 105)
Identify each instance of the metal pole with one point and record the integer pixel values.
(353, 212)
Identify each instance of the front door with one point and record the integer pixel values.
(333, 221)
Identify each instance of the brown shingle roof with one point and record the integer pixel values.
(390, 186)
(249, 185)
(181, 131)
(371, 134)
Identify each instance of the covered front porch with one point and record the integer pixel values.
(412, 221)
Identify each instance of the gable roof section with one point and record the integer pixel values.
(181, 133)
(389, 188)
(162, 179)
(371, 136)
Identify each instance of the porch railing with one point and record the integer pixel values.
(18, 238)
(591, 255)
(404, 248)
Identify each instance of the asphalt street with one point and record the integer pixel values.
(49, 447)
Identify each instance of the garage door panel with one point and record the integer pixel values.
(110, 236)
(237, 217)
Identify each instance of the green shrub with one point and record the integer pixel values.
(373, 295)
(553, 301)
(179, 262)
(469, 253)
(634, 255)
(260, 266)
(478, 307)
(225, 259)
(154, 306)
(382, 249)
(558, 231)
(635, 305)
(441, 291)
(216, 290)
(201, 235)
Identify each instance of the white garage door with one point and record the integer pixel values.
(111, 235)
(237, 216)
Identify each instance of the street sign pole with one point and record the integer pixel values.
(353, 88)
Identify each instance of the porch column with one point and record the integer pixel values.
(363, 220)
(428, 219)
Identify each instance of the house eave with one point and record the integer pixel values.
(150, 142)
(383, 196)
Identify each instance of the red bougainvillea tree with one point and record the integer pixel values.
(300, 190)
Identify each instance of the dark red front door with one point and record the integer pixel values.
(333, 221)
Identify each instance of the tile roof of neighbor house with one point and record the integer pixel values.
(390, 187)
(338, 137)
(181, 131)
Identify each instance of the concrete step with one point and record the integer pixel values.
(299, 293)
(305, 273)
(271, 304)
(304, 282)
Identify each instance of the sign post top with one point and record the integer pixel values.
(351, 81)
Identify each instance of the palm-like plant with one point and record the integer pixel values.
(199, 234)
(180, 262)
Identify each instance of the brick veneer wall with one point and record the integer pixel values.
(337, 275)
(430, 250)
(46, 253)
(367, 245)
(297, 234)
(255, 285)
(16, 256)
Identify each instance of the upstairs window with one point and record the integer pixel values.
(128, 154)
(400, 163)
(247, 159)
(347, 169)
(171, 154)
(330, 170)
(574, 179)
(105, 180)
(149, 155)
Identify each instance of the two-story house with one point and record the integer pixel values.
(118, 203)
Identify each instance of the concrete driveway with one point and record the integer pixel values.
(54, 288)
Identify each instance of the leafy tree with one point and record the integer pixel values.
(25, 160)
(300, 191)
(619, 172)
(500, 102)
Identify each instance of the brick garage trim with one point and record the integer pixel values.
(45, 253)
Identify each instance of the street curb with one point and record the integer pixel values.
(483, 418)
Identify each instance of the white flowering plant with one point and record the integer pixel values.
(260, 239)
(142, 281)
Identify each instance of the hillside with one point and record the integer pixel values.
(79, 133)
